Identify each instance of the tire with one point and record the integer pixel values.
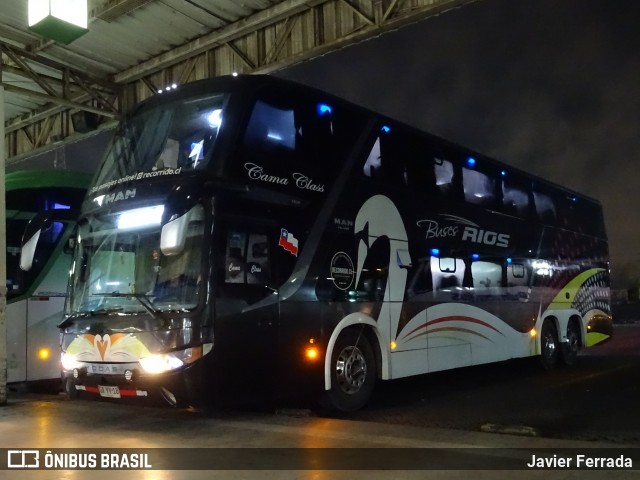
(570, 348)
(549, 345)
(353, 372)
(70, 390)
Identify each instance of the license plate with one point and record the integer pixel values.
(108, 391)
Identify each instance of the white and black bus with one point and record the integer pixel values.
(248, 235)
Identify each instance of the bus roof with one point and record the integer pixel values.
(24, 179)
(252, 83)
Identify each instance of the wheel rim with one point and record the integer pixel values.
(574, 343)
(549, 346)
(351, 370)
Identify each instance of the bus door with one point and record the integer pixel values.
(247, 307)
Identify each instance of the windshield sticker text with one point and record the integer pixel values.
(137, 176)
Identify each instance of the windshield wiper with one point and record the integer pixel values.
(142, 298)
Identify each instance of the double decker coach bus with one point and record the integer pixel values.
(249, 235)
(35, 299)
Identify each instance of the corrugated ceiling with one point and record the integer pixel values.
(122, 33)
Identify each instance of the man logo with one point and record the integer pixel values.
(486, 237)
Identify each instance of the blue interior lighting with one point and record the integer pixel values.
(475, 256)
(471, 161)
(509, 260)
(323, 109)
(385, 129)
(435, 252)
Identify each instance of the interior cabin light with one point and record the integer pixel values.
(214, 118)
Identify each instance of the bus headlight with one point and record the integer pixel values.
(69, 361)
(165, 362)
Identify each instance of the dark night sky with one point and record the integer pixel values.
(548, 86)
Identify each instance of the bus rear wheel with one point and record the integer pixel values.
(571, 347)
(549, 350)
(353, 372)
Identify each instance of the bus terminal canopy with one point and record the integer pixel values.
(53, 90)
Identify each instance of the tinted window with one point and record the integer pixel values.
(391, 153)
(486, 274)
(296, 144)
(444, 173)
(247, 258)
(479, 187)
(180, 134)
(545, 207)
(515, 196)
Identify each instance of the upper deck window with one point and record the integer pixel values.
(179, 136)
(515, 196)
(479, 187)
(545, 208)
(271, 127)
(295, 143)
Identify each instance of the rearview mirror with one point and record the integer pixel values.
(38, 224)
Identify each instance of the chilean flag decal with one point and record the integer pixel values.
(288, 242)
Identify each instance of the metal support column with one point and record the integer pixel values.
(3, 263)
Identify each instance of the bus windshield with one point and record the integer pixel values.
(119, 267)
(167, 139)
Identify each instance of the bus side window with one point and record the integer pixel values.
(517, 275)
(479, 187)
(447, 272)
(373, 166)
(545, 208)
(419, 279)
(388, 158)
(271, 129)
(486, 275)
(515, 197)
(247, 259)
(444, 174)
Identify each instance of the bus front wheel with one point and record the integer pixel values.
(353, 372)
(549, 346)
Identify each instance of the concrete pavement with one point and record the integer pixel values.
(48, 422)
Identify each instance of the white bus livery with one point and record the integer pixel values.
(35, 299)
(250, 236)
